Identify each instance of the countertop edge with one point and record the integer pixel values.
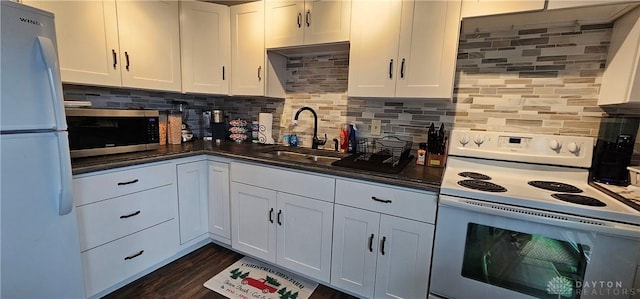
(132, 159)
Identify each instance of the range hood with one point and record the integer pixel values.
(557, 17)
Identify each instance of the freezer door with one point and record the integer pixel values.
(31, 94)
(40, 247)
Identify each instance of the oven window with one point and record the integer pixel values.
(529, 264)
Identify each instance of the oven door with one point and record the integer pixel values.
(488, 250)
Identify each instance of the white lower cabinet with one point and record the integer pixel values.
(376, 255)
(291, 230)
(192, 200)
(380, 256)
(219, 196)
(127, 222)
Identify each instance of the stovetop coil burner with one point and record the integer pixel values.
(579, 199)
(474, 175)
(482, 185)
(555, 186)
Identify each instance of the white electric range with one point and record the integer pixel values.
(518, 219)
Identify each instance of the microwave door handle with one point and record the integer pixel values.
(65, 199)
(50, 58)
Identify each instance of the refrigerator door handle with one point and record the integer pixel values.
(65, 200)
(50, 58)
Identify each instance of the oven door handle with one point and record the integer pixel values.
(543, 217)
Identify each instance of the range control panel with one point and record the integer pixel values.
(523, 147)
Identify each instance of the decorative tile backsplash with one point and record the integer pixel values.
(541, 80)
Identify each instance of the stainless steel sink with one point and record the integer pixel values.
(303, 155)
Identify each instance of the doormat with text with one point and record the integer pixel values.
(248, 279)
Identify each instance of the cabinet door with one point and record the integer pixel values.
(404, 258)
(219, 211)
(253, 216)
(87, 33)
(428, 46)
(247, 49)
(476, 8)
(285, 21)
(205, 47)
(304, 235)
(326, 21)
(192, 200)
(355, 250)
(150, 45)
(375, 28)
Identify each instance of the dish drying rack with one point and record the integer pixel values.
(392, 149)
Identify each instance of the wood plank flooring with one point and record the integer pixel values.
(184, 278)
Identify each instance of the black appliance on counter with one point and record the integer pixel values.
(614, 149)
(95, 132)
(218, 126)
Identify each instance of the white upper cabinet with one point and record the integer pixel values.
(477, 8)
(205, 47)
(247, 49)
(394, 54)
(118, 43)
(87, 33)
(621, 78)
(375, 32)
(150, 44)
(297, 22)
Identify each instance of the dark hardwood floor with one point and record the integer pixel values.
(184, 278)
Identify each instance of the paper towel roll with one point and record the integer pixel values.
(265, 133)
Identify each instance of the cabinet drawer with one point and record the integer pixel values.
(104, 221)
(103, 186)
(385, 199)
(114, 262)
(294, 182)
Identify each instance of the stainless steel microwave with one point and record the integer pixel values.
(94, 132)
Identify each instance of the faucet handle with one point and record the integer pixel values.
(322, 142)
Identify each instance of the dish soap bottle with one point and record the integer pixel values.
(344, 138)
(293, 140)
(352, 146)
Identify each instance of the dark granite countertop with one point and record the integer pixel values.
(412, 176)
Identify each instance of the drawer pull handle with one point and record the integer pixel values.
(271, 215)
(128, 183)
(371, 243)
(382, 245)
(130, 215)
(134, 256)
(391, 69)
(279, 213)
(381, 200)
(299, 20)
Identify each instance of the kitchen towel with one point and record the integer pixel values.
(265, 132)
(248, 278)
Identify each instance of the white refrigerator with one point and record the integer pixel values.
(39, 246)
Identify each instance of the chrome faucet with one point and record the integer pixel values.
(316, 141)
